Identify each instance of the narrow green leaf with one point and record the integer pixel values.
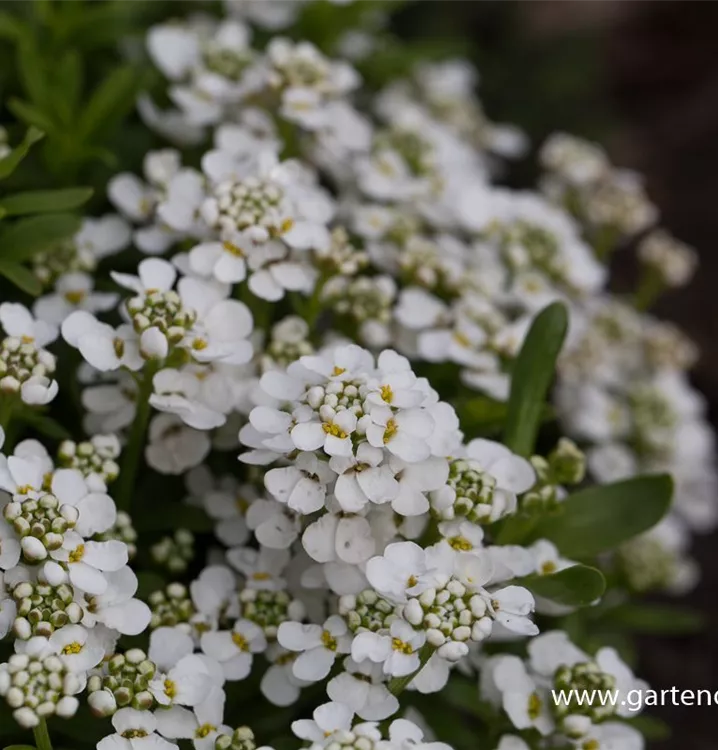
(32, 75)
(25, 237)
(531, 378)
(657, 619)
(8, 163)
(19, 747)
(651, 727)
(21, 277)
(45, 201)
(600, 518)
(577, 586)
(115, 95)
(30, 114)
(44, 425)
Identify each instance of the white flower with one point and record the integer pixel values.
(338, 537)
(178, 392)
(135, 730)
(73, 291)
(77, 648)
(202, 725)
(526, 702)
(319, 646)
(302, 486)
(84, 563)
(186, 683)
(327, 719)
(398, 650)
(173, 447)
(363, 478)
(235, 649)
(279, 685)
(115, 607)
(262, 568)
(404, 434)
(361, 686)
(403, 570)
(214, 593)
(104, 347)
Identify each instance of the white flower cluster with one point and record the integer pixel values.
(66, 596)
(342, 277)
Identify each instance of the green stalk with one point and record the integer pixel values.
(397, 684)
(42, 736)
(649, 289)
(133, 450)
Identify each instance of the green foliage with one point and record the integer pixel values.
(532, 374)
(599, 518)
(656, 619)
(577, 586)
(44, 201)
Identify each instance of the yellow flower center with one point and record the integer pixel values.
(390, 430)
(27, 339)
(76, 296)
(387, 394)
(286, 225)
(118, 345)
(337, 371)
(241, 504)
(199, 343)
(398, 645)
(261, 576)
(240, 641)
(411, 581)
(460, 543)
(495, 604)
(72, 648)
(77, 554)
(204, 730)
(461, 339)
(232, 249)
(534, 707)
(335, 430)
(329, 641)
(170, 689)
(23, 489)
(591, 745)
(548, 567)
(133, 734)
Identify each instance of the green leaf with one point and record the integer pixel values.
(45, 425)
(531, 378)
(183, 517)
(651, 727)
(30, 114)
(45, 201)
(12, 27)
(21, 277)
(657, 619)
(32, 75)
(19, 747)
(8, 164)
(577, 586)
(115, 95)
(600, 518)
(22, 239)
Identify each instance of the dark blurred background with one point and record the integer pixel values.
(642, 78)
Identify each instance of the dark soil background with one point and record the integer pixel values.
(641, 77)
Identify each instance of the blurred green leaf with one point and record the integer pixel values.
(651, 727)
(110, 100)
(577, 586)
(45, 425)
(657, 619)
(21, 277)
(30, 114)
(32, 75)
(599, 518)
(532, 375)
(25, 237)
(45, 201)
(10, 162)
(19, 747)
(12, 27)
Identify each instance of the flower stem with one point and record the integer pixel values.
(42, 736)
(397, 684)
(133, 450)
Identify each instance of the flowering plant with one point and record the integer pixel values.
(323, 437)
